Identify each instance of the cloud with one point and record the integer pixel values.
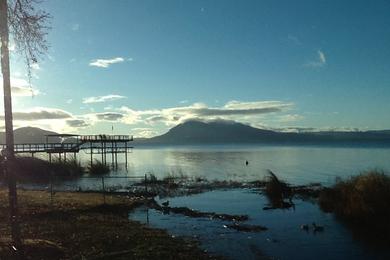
(101, 99)
(289, 118)
(143, 132)
(40, 114)
(21, 88)
(233, 110)
(24, 91)
(319, 62)
(105, 63)
(109, 116)
(77, 123)
(35, 66)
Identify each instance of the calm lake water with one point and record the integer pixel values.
(284, 239)
(295, 164)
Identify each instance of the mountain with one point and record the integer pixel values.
(197, 132)
(29, 135)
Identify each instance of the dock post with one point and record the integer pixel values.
(112, 154)
(126, 155)
(101, 144)
(116, 156)
(104, 191)
(146, 183)
(91, 153)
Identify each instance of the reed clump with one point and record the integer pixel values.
(361, 200)
(277, 192)
(98, 168)
(68, 168)
(38, 170)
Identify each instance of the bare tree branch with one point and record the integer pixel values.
(28, 27)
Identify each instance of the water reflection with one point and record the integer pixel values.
(284, 238)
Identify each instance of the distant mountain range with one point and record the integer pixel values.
(196, 132)
(219, 132)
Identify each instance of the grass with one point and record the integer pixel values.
(98, 168)
(37, 170)
(78, 226)
(362, 201)
(69, 168)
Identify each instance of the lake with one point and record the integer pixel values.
(284, 239)
(295, 164)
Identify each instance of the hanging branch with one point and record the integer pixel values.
(28, 27)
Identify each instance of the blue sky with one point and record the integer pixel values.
(145, 66)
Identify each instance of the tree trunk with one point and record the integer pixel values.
(9, 151)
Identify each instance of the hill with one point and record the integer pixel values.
(197, 132)
(29, 135)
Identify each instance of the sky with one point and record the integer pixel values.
(142, 67)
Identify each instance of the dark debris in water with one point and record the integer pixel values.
(195, 213)
(246, 227)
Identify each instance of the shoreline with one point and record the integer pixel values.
(79, 225)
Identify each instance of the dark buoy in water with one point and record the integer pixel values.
(246, 162)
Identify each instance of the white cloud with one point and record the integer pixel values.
(105, 63)
(35, 66)
(21, 88)
(289, 118)
(233, 110)
(144, 132)
(101, 99)
(319, 62)
(39, 113)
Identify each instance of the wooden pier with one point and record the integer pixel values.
(63, 144)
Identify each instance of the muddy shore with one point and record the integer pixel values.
(78, 226)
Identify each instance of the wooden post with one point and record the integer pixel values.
(101, 144)
(146, 183)
(126, 154)
(104, 191)
(91, 153)
(116, 155)
(112, 153)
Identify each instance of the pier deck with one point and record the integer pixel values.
(92, 144)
